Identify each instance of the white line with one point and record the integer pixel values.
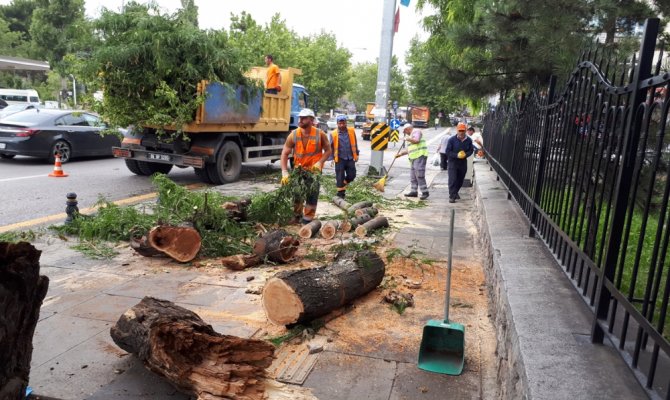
(23, 177)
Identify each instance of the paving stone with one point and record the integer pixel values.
(412, 383)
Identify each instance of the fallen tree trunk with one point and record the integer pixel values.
(176, 344)
(237, 210)
(329, 228)
(355, 222)
(277, 246)
(22, 290)
(368, 227)
(341, 203)
(292, 297)
(371, 211)
(240, 262)
(182, 243)
(309, 230)
(359, 205)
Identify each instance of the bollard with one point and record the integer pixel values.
(71, 208)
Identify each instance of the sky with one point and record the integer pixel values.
(355, 23)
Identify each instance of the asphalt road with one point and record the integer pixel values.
(30, 197)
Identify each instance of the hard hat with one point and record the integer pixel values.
(306, 112)
(461, 127)
(341, 117)
(410, 126)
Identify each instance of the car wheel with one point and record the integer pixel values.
(149, 168)
(228, 164)
(133, 166)
(202, 174)
(7, 156)
(63, 148)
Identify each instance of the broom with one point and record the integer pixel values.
(379, 185)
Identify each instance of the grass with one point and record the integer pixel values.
(18, 236)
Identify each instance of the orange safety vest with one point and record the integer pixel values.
(352, 141)
(310, 155)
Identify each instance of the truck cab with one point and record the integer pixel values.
(300, 101)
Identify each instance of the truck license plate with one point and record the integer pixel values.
(2, 145)
(161, 157)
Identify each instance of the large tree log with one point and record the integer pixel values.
(176, 344)
(355, 222)
(341, 203)
(182, 243)
(237, 210)
(277, 246)
(368, 227)
(309, 230)
(239, 262)
(22, 290)
(292, 297)
(359, 205)
(371, 211)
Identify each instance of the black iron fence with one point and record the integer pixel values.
(589, 164)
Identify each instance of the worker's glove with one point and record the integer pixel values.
(316, 169)
(461, 154)
(284, 178)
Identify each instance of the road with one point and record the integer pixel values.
(30, 197)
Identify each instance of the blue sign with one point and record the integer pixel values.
(395, 124)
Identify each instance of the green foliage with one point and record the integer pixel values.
(315, 254)
(149, 65)
(364, 84)
(18, 236)
(96, 249)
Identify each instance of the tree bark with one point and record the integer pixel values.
(371, 211)
(277, 246)
(308, 231)
(182, 243)
(359, 205)
(237, 210)
(176, 344)
(341, 203)
(292, 297)
(22, 290)
(240, 262)
(368, 227)
(355, 222)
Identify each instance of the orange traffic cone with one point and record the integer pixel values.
(58, 170)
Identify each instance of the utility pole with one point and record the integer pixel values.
(383, 78)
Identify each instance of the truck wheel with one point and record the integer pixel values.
(7, 156)
(202, 174)
(149, 168)
(133, 166)
(228, 164)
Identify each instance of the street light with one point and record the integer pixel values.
(74, 89)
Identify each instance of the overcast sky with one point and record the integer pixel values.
(355, 23)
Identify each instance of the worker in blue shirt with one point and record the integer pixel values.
(459, 148)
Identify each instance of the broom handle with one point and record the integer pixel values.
(451, 245)
(394, 158)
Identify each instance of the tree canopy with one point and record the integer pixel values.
(364, 84)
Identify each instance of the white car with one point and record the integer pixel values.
(332, 123)
(14, 108)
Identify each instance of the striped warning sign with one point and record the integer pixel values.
(379, 134)
(395, 136)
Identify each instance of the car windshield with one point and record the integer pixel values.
(15, 107)
(27, 118)
(360, 118)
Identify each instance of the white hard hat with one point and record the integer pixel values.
(306, 112)
(410, 126)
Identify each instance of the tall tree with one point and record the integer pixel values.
(19, 15)
(364, 84)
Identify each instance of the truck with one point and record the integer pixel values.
(367, 126)
(234, 125)
(420, 116)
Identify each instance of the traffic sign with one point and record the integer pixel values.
(395, 136)
(379, 136)
(395, 124)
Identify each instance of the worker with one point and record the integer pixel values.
(345, 154)
(459, 148)
(273, 76)
(417, 152)
(311, 148)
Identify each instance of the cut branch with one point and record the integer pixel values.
(309, 230)
(359, 205)
(239, 262)
(371, 211)
(372, 225)
(341, 203)
(277, 246)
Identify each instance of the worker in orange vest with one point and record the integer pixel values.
(310, 148)
(345, 154)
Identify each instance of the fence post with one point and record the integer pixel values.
(544, 146)
(624, 177)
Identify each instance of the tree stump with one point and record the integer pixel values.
(292, 297)
(359, 205)
(355, 222)
(22, 290)
(309, 230)
(371, 211)
(240, 262)
(176, 344)
(277, 246)
(182, 243)
(341, 203)
(368, 227)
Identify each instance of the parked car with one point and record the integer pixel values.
(14, 108)
(332, 123)
(3, 104)
(44, 132)
(360, 120)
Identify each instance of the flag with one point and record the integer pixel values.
(396, 22)
(404, 3)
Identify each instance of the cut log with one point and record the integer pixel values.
(237, 210)
(359, 205)
(371, 211)
(141, 246)
(309, 230)
(182, 243)
(355, 222)
(277, 246)
(345, 226)
(239, 262)
(22, 290)
(292, 297)
(176, 344)
(329, 229)
(368, 227)
(341, 203)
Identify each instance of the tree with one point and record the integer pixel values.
(19, 14)
(364, 84)
(11, 42)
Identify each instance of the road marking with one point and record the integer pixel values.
(62, 216)
(23, 177)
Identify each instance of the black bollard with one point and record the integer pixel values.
(71, 208)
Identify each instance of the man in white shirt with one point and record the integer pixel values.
(477, 141)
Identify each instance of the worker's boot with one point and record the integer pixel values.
(341, 194)
(424, 196)
(412, 194)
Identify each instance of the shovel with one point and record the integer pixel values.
(443, 342)
(379, 185)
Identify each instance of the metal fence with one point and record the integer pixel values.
(588, 164)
